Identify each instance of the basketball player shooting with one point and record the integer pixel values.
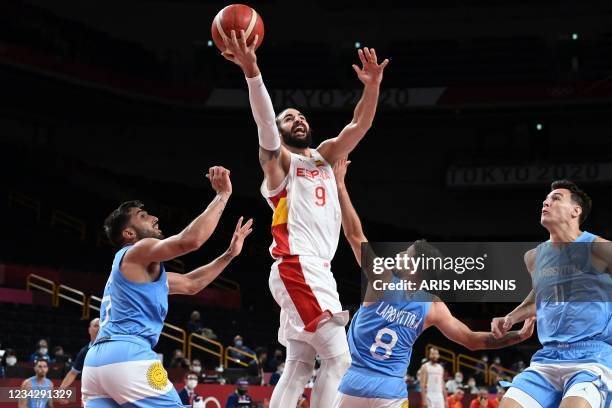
(121, 369)
(574, 311)
(385, 327)
(300, 187)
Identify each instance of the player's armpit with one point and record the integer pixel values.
(275, 165)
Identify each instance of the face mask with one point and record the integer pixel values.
(241, 392)
(197, 369)
(280, 370)
(238, 343)
(192, 383)
(471, 384)
(43, 350)
(458, 379)
(11, 361)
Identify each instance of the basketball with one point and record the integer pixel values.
(237, 17)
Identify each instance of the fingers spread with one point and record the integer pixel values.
(361, 56)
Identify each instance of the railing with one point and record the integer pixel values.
(61, 218)
(183, 335)
(81, 300)
(36, 281)
(24, 201)
(226, 284)
(445, 355)
(494, 372)
(475, 364)
(90, 306)
(234, 360)
(212, 343)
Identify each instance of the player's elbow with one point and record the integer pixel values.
(190, 243)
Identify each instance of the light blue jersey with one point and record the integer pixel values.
(121, 369)
(380, 338)
(132, 308)
(43, 388)
(571, 295)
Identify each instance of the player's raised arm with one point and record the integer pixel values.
(457, 331)
(526, 310)
(273, 157)
(196, 280)
(351, 224)
(370, 74)
(148, 250)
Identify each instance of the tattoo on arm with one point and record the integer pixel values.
(267, 155)
(508, 340)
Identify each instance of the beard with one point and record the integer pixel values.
(148, 233)
(290, 140)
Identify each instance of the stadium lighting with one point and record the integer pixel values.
(539, 126)
(209, 43)
(357, 44)
(574, 36)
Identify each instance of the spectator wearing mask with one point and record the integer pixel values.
(456, 383)
(482, 400)
(471, 388)
(196, 367)
(277, 374)
(240, 397)
(188, 394)
(454, 401)
(239, 344)
(42, 351)
(10, 357)
(255, 369)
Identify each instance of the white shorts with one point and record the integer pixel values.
(348, 401)
(329, 341)
(435, 400)
(305, 289)
(544, 385)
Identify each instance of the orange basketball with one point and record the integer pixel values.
(237, 17)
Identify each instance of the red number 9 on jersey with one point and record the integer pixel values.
(320, 195)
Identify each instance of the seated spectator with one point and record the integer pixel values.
(240, 397)
(188, 394)
(216, 378)
(482, 400)
(273, 362)
(59, 356)
(456, 383)
(499, 396)
(179, 360)
(518, 366)
(196, 367)
(277, 374)
(194, 325)
(239, 344)
(255, 369)
(471, 388)
(42, 352)
(10, 357)
(454, 401)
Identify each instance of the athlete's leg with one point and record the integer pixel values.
(531, 389)
(298, 370)
(517, 395)
(332, 348)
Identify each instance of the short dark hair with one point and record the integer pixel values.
(260, 350)
(578, 196)
(41, 360)
(117, 221)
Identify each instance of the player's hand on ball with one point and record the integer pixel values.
(527, 329)
(240, 233)
(371, 72)
(241, 54)
(340, 170)
(500, 326)
(220, 180)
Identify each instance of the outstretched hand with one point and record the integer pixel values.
(241, 54)
(340, 168)
(220, 180)
(371, 72)
(527, 329)
(240, 233)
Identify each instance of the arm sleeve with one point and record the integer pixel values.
(79, 360)
(263, 113)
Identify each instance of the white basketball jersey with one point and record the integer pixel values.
(307, 215)
(435, 375)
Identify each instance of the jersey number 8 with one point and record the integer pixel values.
(388, 347)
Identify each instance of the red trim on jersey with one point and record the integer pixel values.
(281, 241)
(290, 271)
(275, 199)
